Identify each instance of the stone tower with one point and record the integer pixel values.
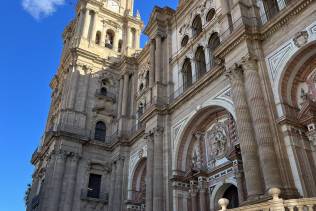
(85, 93)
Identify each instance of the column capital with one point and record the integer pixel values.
(235, 72)
(158, 130)
(249, 62)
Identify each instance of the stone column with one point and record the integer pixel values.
(83, 90)
(149, 172)
(80, 23)
(203, 192)
(158, 60)
(119, 109)
(56, 181)
(268, 159)
(115, 41)
(118, 184)
(112, 186)
(158, 170)
(95, 19)
(125, 95)
(245, 133)
(86, 25)
(73, 87)
(193, 193)
(152, 63)
(70, 181)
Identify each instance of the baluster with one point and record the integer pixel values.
(310, 207)
(291, 208)
(300, 208)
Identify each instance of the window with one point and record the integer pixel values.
(104, 91)
(187, 74)
(200, 62)
(98, 38)
(210, 15)
(213, 43)
(109, 39)
(100, 131)
(197, 25)
(185, 41)
(94, 186)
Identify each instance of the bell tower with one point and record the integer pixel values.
(108, 27)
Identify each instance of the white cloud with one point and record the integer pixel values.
(41, 8)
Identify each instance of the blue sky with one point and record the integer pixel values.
(29, 56)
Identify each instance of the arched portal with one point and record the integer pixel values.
(139, 184)
(297, 94)
(208, 154)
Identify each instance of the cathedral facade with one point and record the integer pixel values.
(220, 103)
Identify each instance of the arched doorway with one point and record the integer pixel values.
(139, 185)
(232, 195)
(207, 155)
(297, 95)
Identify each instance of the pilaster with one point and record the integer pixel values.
(246, 134)
(268, 159)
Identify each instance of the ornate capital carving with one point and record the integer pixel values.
(235, 72)
(249, 63)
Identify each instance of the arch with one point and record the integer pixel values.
(294, 67)
(138, 185)
(109, 39)
(184, 41)
(200, 62)
(187, 73)
(219, 192)
(197, 26)
(210, 15)
(199, 120)
(213, 44)
(100, 131)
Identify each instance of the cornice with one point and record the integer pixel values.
(284, 16)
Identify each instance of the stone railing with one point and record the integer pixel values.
(275, 204)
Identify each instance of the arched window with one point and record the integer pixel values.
(187, 74)
(210, 15)
(200, 62)
(185, 41)
(100, 131)
(98, 38)
(109, 39)
(213, 43)
(197, 25)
